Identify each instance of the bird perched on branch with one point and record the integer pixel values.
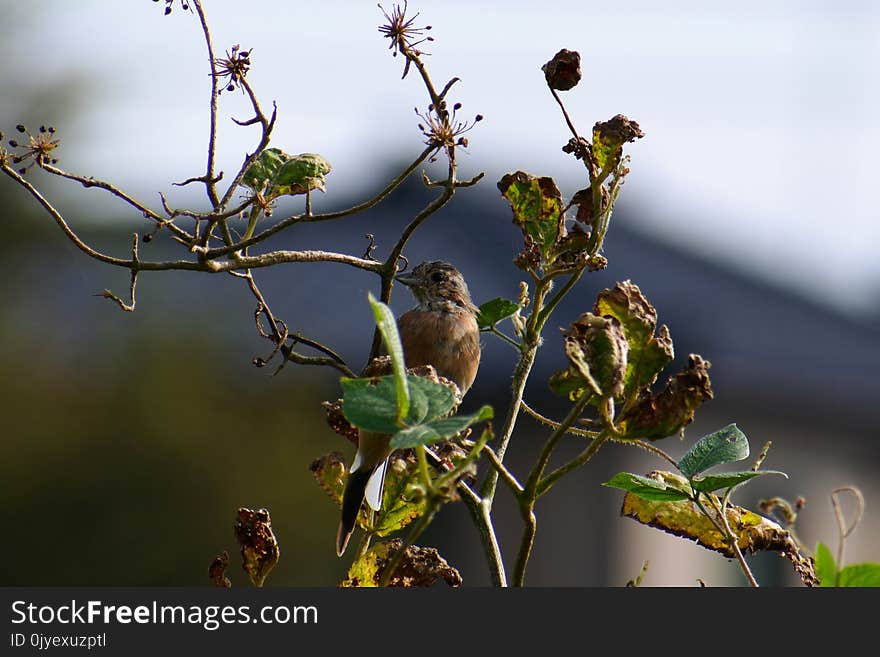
(441, 331)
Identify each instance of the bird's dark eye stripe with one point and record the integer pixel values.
(438, 276)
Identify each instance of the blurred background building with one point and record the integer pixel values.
(748, 221)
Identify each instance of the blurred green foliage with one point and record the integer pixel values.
(127, 467)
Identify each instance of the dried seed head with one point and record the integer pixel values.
(563, 72)
(20, 128)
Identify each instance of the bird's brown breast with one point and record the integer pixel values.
(450, 341)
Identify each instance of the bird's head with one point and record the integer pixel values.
(438, 283)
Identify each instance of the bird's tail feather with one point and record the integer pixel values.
(355, 487)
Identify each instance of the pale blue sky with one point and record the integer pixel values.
(760, 117)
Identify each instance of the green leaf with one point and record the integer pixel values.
(301, 173)
(429, 432)
(438, 399)
(275, 173)
(388, 328)
(371, 403)
(723, 446)
(862, 574)
(260, 174)
(826, 568)
(646, 488)
(403, 499)
(494, 311)
(537, 208)
(710, 483)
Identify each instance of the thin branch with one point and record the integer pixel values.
(547, 482)
(366, 205)
(107, 294)
(564, 113)
(495, 331)
(506, 475)
(209, 179)
(731, 537)
(843, 530)
(554, 424)
(266, 124)
(82, 246)
(88, 181)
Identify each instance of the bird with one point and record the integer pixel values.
(441, 331)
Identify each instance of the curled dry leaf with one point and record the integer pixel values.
(597, 350)
(329, 472)
(669, 411)
(259, 548)
(420, 566)
(337, 421)
(217, 570)
(563, 72)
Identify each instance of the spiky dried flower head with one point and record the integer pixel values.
(232, 69)
(404, 35)
(38, 148)
(444, 130)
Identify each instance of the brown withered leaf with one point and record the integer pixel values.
(259, 547)
(563, 72)
(684, 519)
(669, 411)
(580, 148)
(610, 136)
(379, 366)
(329, 471)
(596, 349)
(338, 422)
(420, 566)
(217, 570)
(583, 201)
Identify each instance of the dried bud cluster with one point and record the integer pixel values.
(563, 72)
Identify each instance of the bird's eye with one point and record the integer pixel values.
(437, 276)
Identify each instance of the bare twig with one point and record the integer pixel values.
(107, 294)
(209, 178)
(842, 527)
(289, 221)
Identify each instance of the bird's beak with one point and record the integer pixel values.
(407, 279)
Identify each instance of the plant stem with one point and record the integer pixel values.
(723, 526)
(481, 514)
(547, 482)
(530, 494)
(516, 345)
